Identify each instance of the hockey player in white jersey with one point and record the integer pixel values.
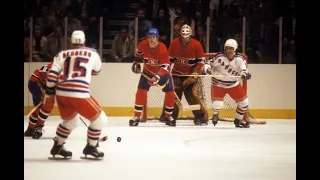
(69, 80)
(229, 67)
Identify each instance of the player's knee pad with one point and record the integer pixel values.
(244, 103)
(71, 123)
(217, 104)
(100, 122)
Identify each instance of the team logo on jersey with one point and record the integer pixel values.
(152, 62)
(186, 61)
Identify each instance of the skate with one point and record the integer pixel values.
(170, 121)
(241, 124)
(28, 132)
(37, 131)
(59, 150)
(215, 119)
(92, 151)
(199, 122)
(134, 121)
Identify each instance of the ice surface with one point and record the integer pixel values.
(153, 151)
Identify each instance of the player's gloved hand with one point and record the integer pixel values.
(48, 98)
(136, 68)
(154, 80)
(245, 75)
(190, 80)
(206, 69)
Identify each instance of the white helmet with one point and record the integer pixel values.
(78, 37)
(231, 43)
(186, 31)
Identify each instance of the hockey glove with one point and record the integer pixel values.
(48, 99)
(154, 80)
(206, 69)
(136, 68)
(245, 75)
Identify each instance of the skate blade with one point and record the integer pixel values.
(59, 158)
(91, 158)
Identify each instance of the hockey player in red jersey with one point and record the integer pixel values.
(187, 56)
(36, 86)
(155, 58)
(69, 80)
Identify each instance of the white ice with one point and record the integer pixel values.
(156, 152)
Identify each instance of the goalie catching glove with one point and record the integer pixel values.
(136, 67)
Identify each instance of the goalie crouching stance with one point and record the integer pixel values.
(187, 56)
(233, 66)
(155, 57)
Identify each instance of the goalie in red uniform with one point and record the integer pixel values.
(155, 57)
(36, 86)
(187, 56)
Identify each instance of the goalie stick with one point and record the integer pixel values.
(176, 98)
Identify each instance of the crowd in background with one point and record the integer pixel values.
(226, 19)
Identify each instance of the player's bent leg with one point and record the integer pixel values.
(43, 114)
(141, 97)
(217, 95)
(93, 134)
(32, 123)
(63, 131)
(169, 101)
(240, 96)
(216, 106)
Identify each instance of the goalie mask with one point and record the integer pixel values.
(185, 33)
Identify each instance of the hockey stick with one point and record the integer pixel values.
(29, 114)
(209, 75)
(176, 98)
(104, 138)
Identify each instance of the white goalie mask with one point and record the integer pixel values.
(185, 31)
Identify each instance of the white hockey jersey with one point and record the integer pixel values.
(71, 72)
(222, 66)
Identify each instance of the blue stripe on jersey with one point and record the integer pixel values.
(231, 82)
(71, 90)
(52, 80)
(77, 81)
(54, 72)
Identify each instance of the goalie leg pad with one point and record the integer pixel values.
(203, 113)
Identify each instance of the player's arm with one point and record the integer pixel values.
(136, 67)
(164, 67)
(244, 73)
(199, 57)
(97, 65)
(53, 74)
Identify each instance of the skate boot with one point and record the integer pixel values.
(241, 124)
(28, 132)
(170, 121)
(215, 119)
(200, 122)
(59, 149)
(37, 131)
(92, 151)
(134, 121)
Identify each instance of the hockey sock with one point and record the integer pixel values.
(62, 134)
(169, 104)
(94, 130)
(33, 118)
(242, 108)
(141, 97)
(216, 105)
(42, 116)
